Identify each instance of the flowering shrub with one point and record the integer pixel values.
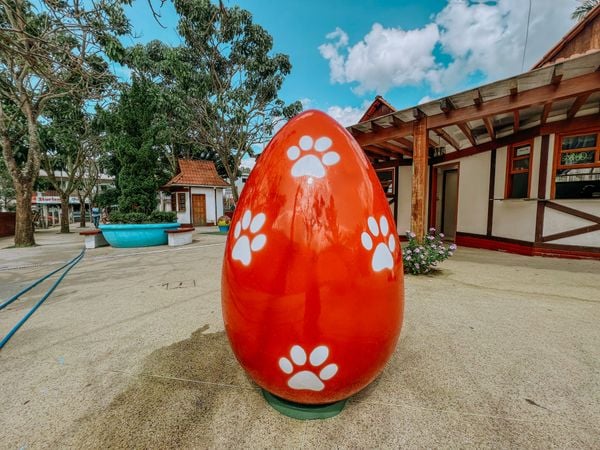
(422, 257)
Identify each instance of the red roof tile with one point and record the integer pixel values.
(197, 173)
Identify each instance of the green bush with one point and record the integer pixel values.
(420, 258)
(136, 217)
(163, 216)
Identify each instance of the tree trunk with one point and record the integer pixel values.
(64, 214)
(24, 218)
(234, 191)
(82, 211)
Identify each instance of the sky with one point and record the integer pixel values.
(345, 52)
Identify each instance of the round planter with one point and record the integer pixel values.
(223, 228)
(137, 234)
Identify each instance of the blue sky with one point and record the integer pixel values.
(344, 52)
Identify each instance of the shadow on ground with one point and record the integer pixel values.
(174, 402)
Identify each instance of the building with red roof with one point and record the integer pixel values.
(196, 193)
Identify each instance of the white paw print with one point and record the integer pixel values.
(382, 256)
(307, 379)
(312, 164)
(244, 247)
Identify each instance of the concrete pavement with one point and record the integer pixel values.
(497, 350)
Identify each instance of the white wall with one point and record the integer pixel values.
(515, 218)
(473, 195)
(211, 215)
(404, 186)
(184, 216)
(557, 222)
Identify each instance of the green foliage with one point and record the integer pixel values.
(133, 138)
(420, 258)
(7, 190)
(163, 216)
(585, 7)
(241, 79)
(136, 217)
(107, 198)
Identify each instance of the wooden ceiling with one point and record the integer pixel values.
(486, 114)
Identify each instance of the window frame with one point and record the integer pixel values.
(173, 201)
(558, 152)
(510, 158)
(181, 205)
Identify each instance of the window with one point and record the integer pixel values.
(386, 177)
(181, 201)
(173, 202)
(577, 166)
(518, 173)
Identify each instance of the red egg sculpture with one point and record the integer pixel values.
(312, 285)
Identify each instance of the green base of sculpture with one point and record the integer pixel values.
(301, 411)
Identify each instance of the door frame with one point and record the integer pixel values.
(192, 208)
(433, 222)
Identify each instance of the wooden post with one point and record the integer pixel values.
(419, 177)
(541, 195)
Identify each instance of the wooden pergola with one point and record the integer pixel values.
(540, 102)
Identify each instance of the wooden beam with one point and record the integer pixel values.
(464, 127)
(379, 151)
(418, 114)
(576, 106)
(575, 232)
(541, 191)
(516, 120)
(419, 178)
(545, 113)
(538, 96)
(514, 90)
(522, 135)
(446, 105)
(568, 126)
(478, 100)
(397, 122)
(449, 139)
(489, 127)
(556, 78)
(386, 134)
(392, 163)
(491, 186)
(408, 144)
(574, 212)
(395, 149)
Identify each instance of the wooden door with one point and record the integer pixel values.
(449, 202)
(199, 209)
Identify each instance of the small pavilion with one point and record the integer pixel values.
(196, 193)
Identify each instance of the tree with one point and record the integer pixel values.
(51, 50)
(63, 151)
(584, 8)
(239, 106)
(7, 190)
(134, 142)
(89, 173)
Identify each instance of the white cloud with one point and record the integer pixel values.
(346, 116)
(490, 38)
(306, 103)
(425, 99)
(386, 57)
(477, 36)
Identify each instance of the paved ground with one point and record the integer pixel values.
(496, 351)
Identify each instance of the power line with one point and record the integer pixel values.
(526, 38)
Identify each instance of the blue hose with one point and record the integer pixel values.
(72, 263)
(31, 286)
